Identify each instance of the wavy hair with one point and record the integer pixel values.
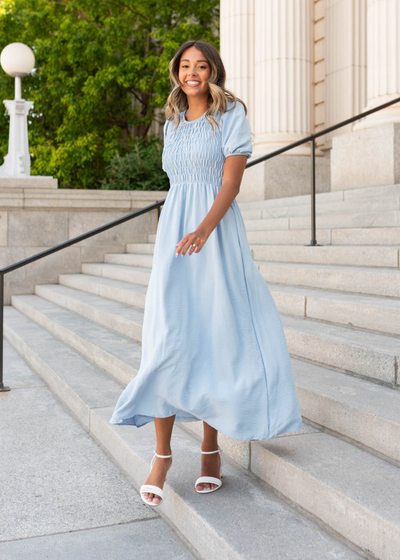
(218, 96)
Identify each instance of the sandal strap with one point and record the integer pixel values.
(163, 456)
(211, 479)
(152, 490)
(157, 455)
(216, 451)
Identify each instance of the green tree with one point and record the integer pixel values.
(101, 72)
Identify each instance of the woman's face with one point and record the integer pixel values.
(194, 73)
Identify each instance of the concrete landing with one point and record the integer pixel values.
(61, 497)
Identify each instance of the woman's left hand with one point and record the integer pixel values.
(194, 240)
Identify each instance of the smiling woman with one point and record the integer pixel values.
(213, 345)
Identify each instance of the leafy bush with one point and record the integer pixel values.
(140, 169)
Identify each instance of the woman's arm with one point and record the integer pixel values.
(232, 177)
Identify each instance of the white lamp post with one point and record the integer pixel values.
(17, 60)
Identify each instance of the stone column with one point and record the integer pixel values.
(237, 50)
(267, 49)
(383, 55)
(345, 62)
(283, 73)
(370, 155)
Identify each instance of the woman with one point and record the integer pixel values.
(213, 345)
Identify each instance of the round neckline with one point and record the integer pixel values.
(195, 120)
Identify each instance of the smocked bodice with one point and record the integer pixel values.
(194, 153)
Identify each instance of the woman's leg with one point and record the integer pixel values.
(210, 464)
(158, 473)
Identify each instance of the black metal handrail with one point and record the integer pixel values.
(157, 205)
(311, 138)
(3, 271)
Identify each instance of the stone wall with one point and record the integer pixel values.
(35, 219)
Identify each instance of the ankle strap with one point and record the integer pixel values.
(216, 451)
(163, 456)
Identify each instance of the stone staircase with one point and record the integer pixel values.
(331, 490)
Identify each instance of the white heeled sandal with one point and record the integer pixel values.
(150, 488)
(210, 479)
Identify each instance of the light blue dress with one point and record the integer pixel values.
(213, 344)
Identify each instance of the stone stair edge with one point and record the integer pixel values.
(303, 291)
(290, 300)
(61, 338)
(117, 366)
(69, 293)
(381, 347)
(331, 196)
(383, 203)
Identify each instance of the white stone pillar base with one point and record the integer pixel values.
(282, 176)
(367, 157)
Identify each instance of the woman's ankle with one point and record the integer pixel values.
(164, 450)
(209, 446)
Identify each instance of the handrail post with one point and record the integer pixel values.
(313, 240)
(158, 214)
(2, 386)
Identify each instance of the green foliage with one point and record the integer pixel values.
(101, 73)
(140, 169)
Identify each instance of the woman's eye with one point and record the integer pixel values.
(185, 66)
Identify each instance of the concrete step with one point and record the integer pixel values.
(327, 197)
(119, 356)
(349, 255)
(352, 236)
(354, 492)
(376, 204)
(129, 259)
(359, 352)
(133, 274)
(289, 237)
(366, 236)
(116, 290)
(367, 413)
(345, 486)
(142, 248)
(213, 531)
(379, 314)
(356, 351)
(332, 221)
(119, 317)
(116, 354)
(325, 236)
(75, 381)
(347, 279)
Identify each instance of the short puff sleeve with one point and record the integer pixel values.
(236, 132)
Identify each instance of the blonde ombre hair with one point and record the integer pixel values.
(218, 96)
